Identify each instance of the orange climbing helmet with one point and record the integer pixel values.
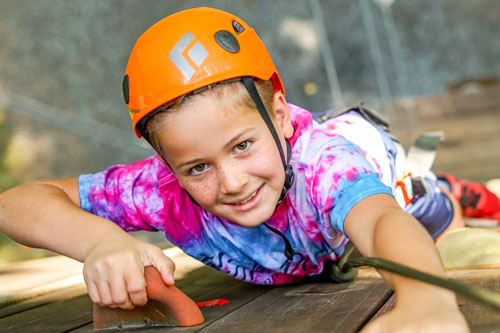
(188, 51)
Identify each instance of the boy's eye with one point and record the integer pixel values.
(199, 168)
(242, 146)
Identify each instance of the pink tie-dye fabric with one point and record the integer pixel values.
(331, 176)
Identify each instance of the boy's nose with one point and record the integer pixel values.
(232, 179)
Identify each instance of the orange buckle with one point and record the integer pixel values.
(400, 183)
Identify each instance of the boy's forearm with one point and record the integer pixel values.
(380, 228)
(42, 215)
(397, 236)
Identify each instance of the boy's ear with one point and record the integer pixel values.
(282, 114)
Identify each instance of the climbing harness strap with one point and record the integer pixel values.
(412, 168)
(369, 114)
(422, 154)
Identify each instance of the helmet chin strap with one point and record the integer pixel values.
(289, 175)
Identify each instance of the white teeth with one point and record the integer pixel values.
(247, 200)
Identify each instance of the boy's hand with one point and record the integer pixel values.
(422, 314)
(380, 228)
(114, 271)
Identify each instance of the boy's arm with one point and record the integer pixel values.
(48, 215)
(380, 228)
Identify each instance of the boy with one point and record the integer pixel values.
(242, 181)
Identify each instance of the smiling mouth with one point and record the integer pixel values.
(247, 199)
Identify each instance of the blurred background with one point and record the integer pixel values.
(426, 65)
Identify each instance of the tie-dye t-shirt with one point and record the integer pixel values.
(331, 176)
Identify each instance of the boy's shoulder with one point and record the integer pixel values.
(148, 170)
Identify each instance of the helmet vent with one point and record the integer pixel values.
(238, 28)
(227, 41)
(125, 89)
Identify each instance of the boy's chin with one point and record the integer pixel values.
(249, 224)
(251, 221)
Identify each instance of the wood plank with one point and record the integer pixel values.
(480, 318)
(58, 296)
(54, 317)
(483, 100)
(309, 307)
(22, 276)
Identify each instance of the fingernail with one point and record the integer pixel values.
(170, 278)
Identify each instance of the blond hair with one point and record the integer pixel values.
(230, 94)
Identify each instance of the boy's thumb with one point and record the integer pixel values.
(166, 267)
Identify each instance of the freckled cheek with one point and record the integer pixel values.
(266, 164)
(205, 193)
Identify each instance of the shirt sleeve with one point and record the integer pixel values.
(128, 195)
(344, 177)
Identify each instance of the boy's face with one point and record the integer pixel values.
(226, 158)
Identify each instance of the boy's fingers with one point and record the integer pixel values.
(136, 288)
(104, 293)
(119, 292)
(127, 306)
(166, 267)
(373, 327)
(138, 298)
(93, 293)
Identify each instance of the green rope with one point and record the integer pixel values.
(473, 293)
(344, 268)
(337, 272)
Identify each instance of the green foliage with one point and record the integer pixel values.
(6, 181)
